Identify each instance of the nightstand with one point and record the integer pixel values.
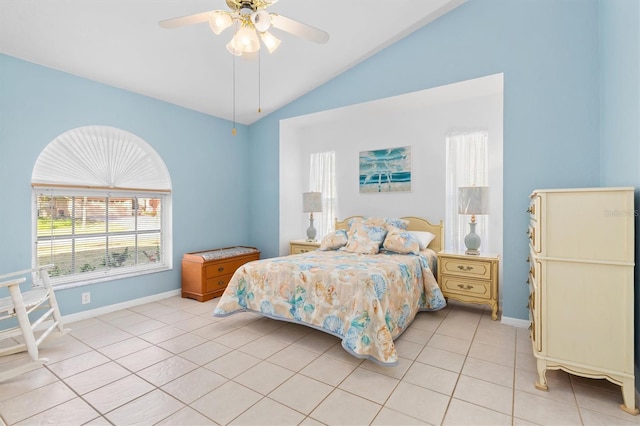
(471, 279)
(302, 246)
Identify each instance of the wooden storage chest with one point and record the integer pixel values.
(205, 274)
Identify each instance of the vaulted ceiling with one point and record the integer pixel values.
(119, 43)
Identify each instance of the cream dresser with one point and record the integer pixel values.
(581, 298)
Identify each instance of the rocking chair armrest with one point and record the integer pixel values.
(27, 271)
(12, 282)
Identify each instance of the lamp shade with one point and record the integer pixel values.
(473, 200)
(311, 202)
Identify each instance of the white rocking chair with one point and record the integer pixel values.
(21, 304)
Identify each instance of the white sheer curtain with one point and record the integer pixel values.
(467, 165)
(322, 178)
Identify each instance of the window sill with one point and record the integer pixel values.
(64, 283)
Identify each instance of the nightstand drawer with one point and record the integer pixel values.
(477, 289)
(296, 249)
(303, 246)
(466, 267)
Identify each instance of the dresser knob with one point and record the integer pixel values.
(465, 287)
(465, 268)
(220, 269)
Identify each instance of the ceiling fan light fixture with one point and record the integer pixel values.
(233, 48)
(270, 41)
(247, 40)
(261, 20)
(219, 21)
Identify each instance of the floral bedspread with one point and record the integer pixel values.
(366, 300)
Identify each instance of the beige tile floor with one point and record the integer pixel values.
(172, 363)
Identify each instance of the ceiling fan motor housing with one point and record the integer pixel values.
(247, 4)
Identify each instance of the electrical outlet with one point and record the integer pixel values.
(86, 298)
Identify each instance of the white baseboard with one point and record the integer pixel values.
(516, 322)
(79, 316)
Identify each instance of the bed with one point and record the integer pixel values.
(366, 299)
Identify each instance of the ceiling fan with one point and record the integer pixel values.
(251, 21)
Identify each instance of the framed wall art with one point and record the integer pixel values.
(385, 170)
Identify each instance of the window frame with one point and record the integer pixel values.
(109, 274)
(97, 160)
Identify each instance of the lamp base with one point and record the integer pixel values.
(472, 241)
(311, 231)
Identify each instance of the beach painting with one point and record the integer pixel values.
(385, 170)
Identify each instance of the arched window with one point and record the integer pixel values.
(102, 207)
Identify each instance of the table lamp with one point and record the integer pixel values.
(473, 200)
(311, 202)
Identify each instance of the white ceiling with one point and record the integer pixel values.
(119, 43)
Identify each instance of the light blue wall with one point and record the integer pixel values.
(206, 163)
(620, 111)
(548, 52)
(620, 87)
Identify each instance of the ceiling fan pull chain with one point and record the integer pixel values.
(234, 131)
(259, 83)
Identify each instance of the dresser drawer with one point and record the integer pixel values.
(535, 336)
(218, 283)
(534, 207)
(223, 268)
(466, 267)
(476, 288)
(533, 231)
(536, 237)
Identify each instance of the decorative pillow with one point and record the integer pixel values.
(401, 241)
(398, 223)
(364, 238)
(334, 240)
(424, 238)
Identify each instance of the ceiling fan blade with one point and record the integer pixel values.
(299, 29)
(186, 20)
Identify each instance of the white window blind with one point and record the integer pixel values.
(95, 233)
